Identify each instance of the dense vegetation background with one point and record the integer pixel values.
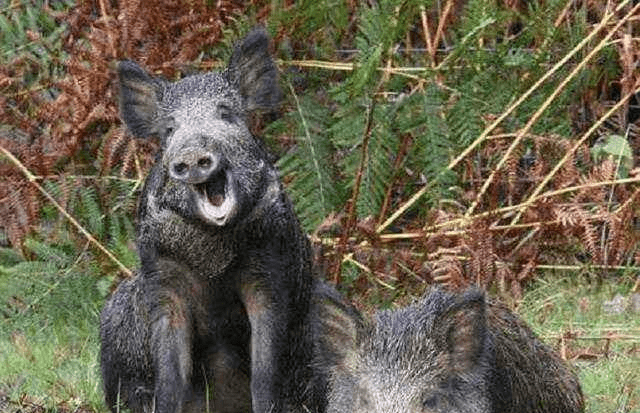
(459, 142)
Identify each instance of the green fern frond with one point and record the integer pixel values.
(307, 167)
(464, 121)
(29, 31)
(435, 139)
(59, 256)
(92, 214)
(121, 236)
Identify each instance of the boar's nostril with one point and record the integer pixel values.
(180, 168)
(204, 162)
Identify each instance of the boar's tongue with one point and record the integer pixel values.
(214, 189)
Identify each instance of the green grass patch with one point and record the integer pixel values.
(49, 343)
(602, 343)
(612, 384)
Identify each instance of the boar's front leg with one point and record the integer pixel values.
(171, 353)
(267, 343)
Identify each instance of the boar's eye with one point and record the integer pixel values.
(226, 114)
(168, 127)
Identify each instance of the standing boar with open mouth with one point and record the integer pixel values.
(217, 316)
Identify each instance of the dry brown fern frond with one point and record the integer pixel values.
(480, 243)
(448, 269)
(504, 277)
(115, 147)
(569, 174)
(590, 233)
(129, 158)
(19, 205)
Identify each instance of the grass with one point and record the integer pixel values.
(611, 384)
(49, 334)
(605, 348)
(49, 343)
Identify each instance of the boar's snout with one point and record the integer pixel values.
(194, 167)
(210, 177)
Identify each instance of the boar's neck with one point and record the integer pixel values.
(163, 232)
(211, 251)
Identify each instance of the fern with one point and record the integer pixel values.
(29, 32)
(121, 236)
(434, 142)
(91, 211)
(377, 162)
(308, 167)
(384, 139)
(59, 256)
(464, 119)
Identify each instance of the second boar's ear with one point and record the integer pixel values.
(140, 95)
(253, 72)
(339, 328)
(461, 332)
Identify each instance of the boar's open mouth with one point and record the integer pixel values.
(216, 198)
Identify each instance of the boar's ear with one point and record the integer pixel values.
(253, 72)
(461, 332)
(140, 95)
(338, 329)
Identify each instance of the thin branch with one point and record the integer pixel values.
(366, 137)
(465, 222)
(349, 258)
(563, 13)
(351, 213)
(400, 157)
(33, 180)
(441, 22)
(427, 35)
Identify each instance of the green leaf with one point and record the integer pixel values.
(615, 147)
